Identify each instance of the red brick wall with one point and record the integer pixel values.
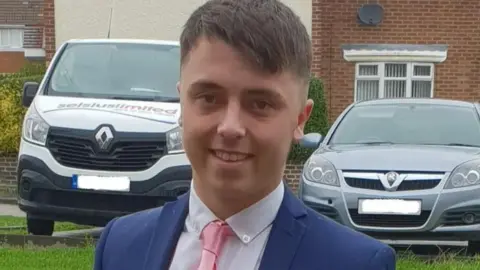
(452, 22)
(49, 26)
(8, 165)
(11, 61)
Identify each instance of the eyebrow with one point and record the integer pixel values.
(200, 85)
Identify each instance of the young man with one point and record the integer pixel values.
(243, 90)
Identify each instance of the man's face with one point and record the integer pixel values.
(238, 124)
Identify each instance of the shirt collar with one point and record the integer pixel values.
(247, 224)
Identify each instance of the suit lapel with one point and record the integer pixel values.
(165, 236)
(287, 231)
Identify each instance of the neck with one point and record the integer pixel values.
(224, 205)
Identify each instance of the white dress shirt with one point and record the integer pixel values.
(242, 251)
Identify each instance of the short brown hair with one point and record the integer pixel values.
(267, 32)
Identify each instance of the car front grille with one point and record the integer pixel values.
(414, 181)
(128, 151)
(406, 185)
(391, 221)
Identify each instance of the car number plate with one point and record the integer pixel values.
(389, 206)
(106, 183)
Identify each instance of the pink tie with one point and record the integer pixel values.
(213, 236)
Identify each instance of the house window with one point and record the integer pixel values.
(393, 80)
(11, 38)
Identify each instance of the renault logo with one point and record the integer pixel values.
(104, 137)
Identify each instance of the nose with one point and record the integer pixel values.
(231, 126)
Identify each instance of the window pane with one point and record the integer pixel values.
(4, 37)
(421, 89)
(367, 89)
(123, 70)
(16, 38)
(396, 70)
(421, 71)
(368, 70)
(409, 124)
(395, 89)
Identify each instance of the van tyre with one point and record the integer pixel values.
(473, 247)
(40, 226)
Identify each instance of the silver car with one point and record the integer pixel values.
(399, 169)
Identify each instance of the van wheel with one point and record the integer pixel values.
(473, 247)
(40, 226)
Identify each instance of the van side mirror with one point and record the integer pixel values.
(311, 140)
(29, 91)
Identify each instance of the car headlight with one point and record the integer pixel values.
(466, 174)
(174, 140)
(35, 129)
(320, 170)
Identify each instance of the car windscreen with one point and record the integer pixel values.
(117, 71)
(409, 124)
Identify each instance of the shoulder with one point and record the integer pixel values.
(352, 248)
(133, 225)
(124, 239)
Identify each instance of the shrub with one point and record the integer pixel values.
(11, 109)
(318, 121)
(29, 69)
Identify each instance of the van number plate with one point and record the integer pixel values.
(109, 183)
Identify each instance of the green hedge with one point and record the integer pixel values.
(11, 109)
(318, 121)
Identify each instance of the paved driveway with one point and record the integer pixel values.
(11, 210)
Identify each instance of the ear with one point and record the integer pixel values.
(181, 106)
(302, 120)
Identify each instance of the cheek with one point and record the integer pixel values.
(276, 137)
(196, 130)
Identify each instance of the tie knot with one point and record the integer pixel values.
(214, 235)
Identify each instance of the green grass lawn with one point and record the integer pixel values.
(46, 259)
(8, 221)
(34, 258)
(82, 259)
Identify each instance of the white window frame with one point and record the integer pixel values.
(11, 28)
(381, 76)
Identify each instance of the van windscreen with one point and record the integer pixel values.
(117, 71)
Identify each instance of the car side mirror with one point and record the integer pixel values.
(311, 140)
(29, 91)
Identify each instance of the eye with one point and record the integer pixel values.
(260, 105)
(208, 98)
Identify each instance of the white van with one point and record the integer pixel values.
(101, 137)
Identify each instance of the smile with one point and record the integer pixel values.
(230, 156)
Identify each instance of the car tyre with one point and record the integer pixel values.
(473, 247)
(40, 226)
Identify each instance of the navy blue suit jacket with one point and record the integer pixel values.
(300, 239)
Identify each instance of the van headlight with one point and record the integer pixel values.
(466, 174)
(174, 141)
(320, 170)
(35, 129)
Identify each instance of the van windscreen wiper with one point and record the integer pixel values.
(134, 98)
(157, 98)
(463, 144)
(167, 99)
(375, 142)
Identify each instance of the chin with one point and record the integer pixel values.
(229, 182)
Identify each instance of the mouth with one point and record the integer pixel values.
(230, 156)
